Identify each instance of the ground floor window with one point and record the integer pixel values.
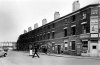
(94, 47)
(73, 45)
(66, 45)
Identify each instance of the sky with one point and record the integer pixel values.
(17, 15)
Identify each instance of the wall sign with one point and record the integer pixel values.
(94, 35)
(66, 45)
(94, 24)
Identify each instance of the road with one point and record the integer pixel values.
(22, 58)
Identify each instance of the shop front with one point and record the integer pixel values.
(85, 47)
(90, 45)
(85, 42)
(94, 47)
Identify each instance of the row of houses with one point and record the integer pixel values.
(75, 34)
(8, 45)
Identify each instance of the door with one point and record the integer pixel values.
(59, 49)
(93, 48)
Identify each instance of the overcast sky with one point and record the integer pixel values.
(17, 15)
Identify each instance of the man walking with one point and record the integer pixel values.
(35, 52)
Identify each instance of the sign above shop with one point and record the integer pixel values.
(84, 35)
(94, 35)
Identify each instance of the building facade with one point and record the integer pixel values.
(77, 33)
(8, 45)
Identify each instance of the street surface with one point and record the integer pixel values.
(23, 58)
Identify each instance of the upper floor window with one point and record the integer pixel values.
(65, 32)
(73, 29)
(48, 35)
(84, 27)
(84, 15)
(53, 25)
(53, 34)
(73, 18)
(48, 26)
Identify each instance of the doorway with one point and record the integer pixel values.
(59, 49)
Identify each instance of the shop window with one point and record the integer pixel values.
(93, 47)
(73, 45)
(84, 46)
(85, 43)
(48, 26)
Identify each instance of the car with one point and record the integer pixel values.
(5, 49)
(3, 53)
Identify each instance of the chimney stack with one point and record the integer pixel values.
(25, 31)
(29, 29)
(35, 25)
(76, 5)
(56, 15)
(44, 21)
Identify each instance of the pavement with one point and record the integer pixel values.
(69, 56)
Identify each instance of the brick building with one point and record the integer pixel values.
(76, 33)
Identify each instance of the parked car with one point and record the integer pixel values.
(2, 52)
(5, 49)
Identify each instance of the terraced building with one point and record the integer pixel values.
(77, 33)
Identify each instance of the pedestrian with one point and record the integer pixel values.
(35, 52)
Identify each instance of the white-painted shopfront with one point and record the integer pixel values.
(94, 48)
(91, 47)
(94, 42)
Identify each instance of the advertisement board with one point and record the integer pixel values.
(94, 11)
(94, 24)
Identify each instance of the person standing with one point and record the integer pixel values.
(35, 52)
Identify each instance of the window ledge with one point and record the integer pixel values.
(72, 50)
